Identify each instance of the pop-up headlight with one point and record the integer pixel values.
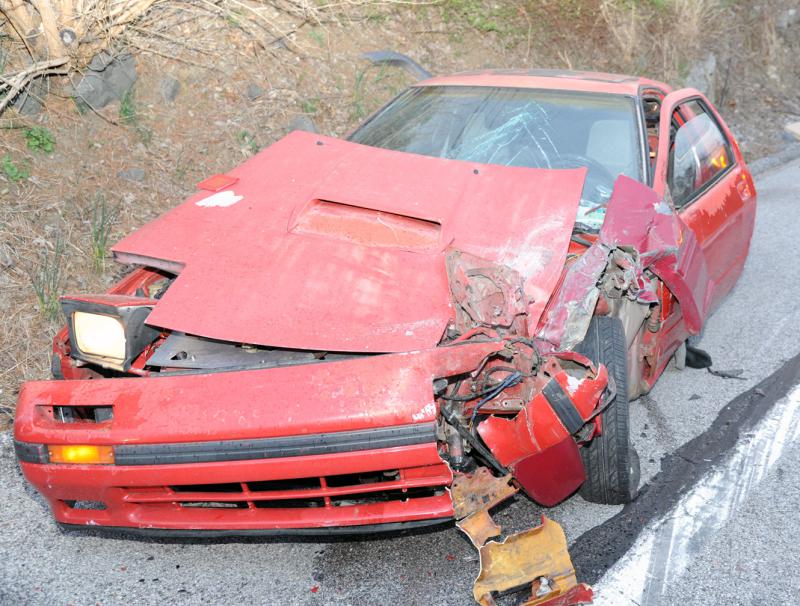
(99, 335)
(108, 330)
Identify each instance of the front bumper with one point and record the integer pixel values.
(381, 486)
(298, 448)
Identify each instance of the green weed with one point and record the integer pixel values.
(103, 219)
(248, 140)
(478, 14)
(127, 109)
(129, 116)
(317, 36)
(40, 139)
(47, 280)
(15, 172)
(310, 106)
(233, 17)
(365, 99)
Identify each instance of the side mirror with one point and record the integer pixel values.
(399, 60)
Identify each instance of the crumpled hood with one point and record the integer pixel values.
(328, 245)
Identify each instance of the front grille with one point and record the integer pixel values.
(332, 491)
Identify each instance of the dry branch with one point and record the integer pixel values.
(11, 85)
(64, 35)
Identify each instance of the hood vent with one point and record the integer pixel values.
(366, 226)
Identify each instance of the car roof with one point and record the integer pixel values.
(553, 79)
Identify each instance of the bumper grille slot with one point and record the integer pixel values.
(386, 495)
(232, 487)
(329, 491)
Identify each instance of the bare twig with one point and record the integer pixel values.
(12, 84)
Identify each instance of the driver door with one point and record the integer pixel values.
(700, 168)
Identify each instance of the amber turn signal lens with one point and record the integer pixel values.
(81, 454)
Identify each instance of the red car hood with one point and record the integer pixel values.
(328, 245)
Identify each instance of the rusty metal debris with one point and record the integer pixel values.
(537, 557)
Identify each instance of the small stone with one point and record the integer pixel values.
(694, 396)
(170, 87)
(253, 91)
(29, 101)
(132, 174)
(787, 19)
(303, 123)
(793, 128)
(6, 260)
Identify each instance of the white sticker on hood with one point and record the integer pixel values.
(222, 198)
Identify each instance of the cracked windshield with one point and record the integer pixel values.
(518, 127)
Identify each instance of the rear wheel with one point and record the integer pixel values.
(611, 463)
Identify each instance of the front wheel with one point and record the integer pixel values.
(611, 463)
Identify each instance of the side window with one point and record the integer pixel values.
(699, 151)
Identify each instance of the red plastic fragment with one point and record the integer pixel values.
(551, 475)
(217, 182)
(580, 594)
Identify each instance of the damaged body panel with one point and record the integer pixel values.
(535, 561)
(336, 246)
(402, 329)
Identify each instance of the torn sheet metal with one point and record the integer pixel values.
(478, 491)
(537, 557)
(485, 294)
(641, 232)
(473, 496)
(638, 218)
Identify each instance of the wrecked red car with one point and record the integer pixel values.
(365, 334)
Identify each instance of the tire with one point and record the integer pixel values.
(611, 463)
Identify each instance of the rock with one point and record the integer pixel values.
(107, 79)
(786, 19)
(29, 101)
(132, 174)
(793, 128)
(6, 260)
(253, 91)
(703, 76)
(303, 123)
(170, 87)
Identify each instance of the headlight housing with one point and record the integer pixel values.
(108, 330)
(99, 335)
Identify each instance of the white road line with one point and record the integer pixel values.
(665, 548)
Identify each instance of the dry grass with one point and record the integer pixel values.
(663, 37)
(56, 37)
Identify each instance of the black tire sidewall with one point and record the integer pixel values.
(608, 458)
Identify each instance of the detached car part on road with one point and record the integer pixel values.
(340, 335)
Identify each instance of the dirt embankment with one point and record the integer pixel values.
(211, 88)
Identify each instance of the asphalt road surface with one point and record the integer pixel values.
(716, 525)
